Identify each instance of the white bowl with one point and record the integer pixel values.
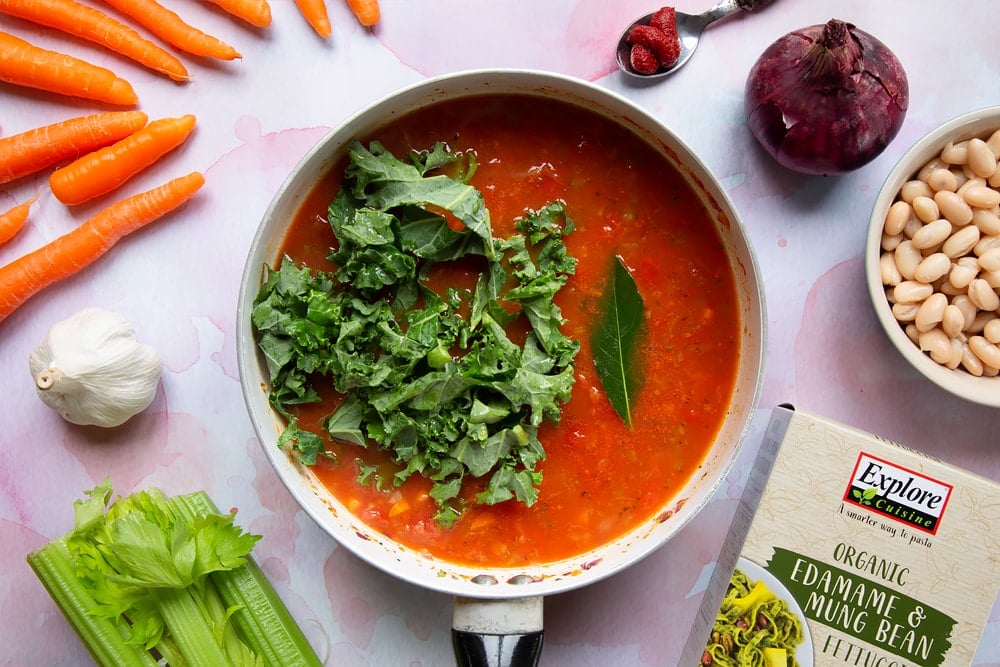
(979, 123)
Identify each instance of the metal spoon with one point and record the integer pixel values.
(689, 29)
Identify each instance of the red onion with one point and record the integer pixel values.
(826, 99)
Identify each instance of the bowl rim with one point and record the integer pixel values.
(982, 390)
(546, 578)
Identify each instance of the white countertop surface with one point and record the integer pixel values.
(177, 283)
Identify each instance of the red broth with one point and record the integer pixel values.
(601, 479)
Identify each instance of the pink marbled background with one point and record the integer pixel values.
(177, 283)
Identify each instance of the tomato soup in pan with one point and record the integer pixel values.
(601, 478)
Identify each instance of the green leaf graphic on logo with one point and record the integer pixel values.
(864, 497)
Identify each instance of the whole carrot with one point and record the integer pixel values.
(105, 169)
(85, 22)
(84, 245)
(25, 64)
(314, 12)
(255, 12)
(13, 220)
(366, 11)
(172, 29)
(31, 151)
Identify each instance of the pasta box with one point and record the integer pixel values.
(849, 549)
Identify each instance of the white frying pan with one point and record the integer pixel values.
(498, 611)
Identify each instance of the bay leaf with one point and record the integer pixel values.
(616, 337)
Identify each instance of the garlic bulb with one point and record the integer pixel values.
(93, 371)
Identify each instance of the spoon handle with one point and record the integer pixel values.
(726, 8)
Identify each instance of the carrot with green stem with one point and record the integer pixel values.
(39, 148)
(255, 12)
(73, 251)
(103, 170)
(24, 64)
(13, 219)
(366, 11)
(314, 12)
(171, 28)
(93, 25)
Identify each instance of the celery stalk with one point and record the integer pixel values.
(261, 616)
(53, 566)
(188, 628)
(149, 580)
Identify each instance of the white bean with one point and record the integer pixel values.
(985, 244)
(969, 261)
(992, 278)
(891, 242)
(956, 354)
(915, 188)
(980, 196)
(992, 331)
(969, 183)
(905, 312)
(980, 293)
(961, 242)
(932, 267)
(911, 291)
(980, 158)
(968, 309)
(945, 287)
(953, 207)
(952, 320)
(955, 153)
(961, 275)
(937, 344)
(994, 143)
(931, 312)
(907, 258)
(941, 179)
(931, 165)
(913, 225)
(971, 362)
(987, 352)
(932, 234)
(895, 219)
(889, 270)
(925, 208)
(990, 260)
(987, 221)
(979, 322)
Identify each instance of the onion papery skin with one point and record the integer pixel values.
(826, 99)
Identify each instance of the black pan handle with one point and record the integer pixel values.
(479, 650)
(497, 633)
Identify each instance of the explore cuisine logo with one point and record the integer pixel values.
(898, 493)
